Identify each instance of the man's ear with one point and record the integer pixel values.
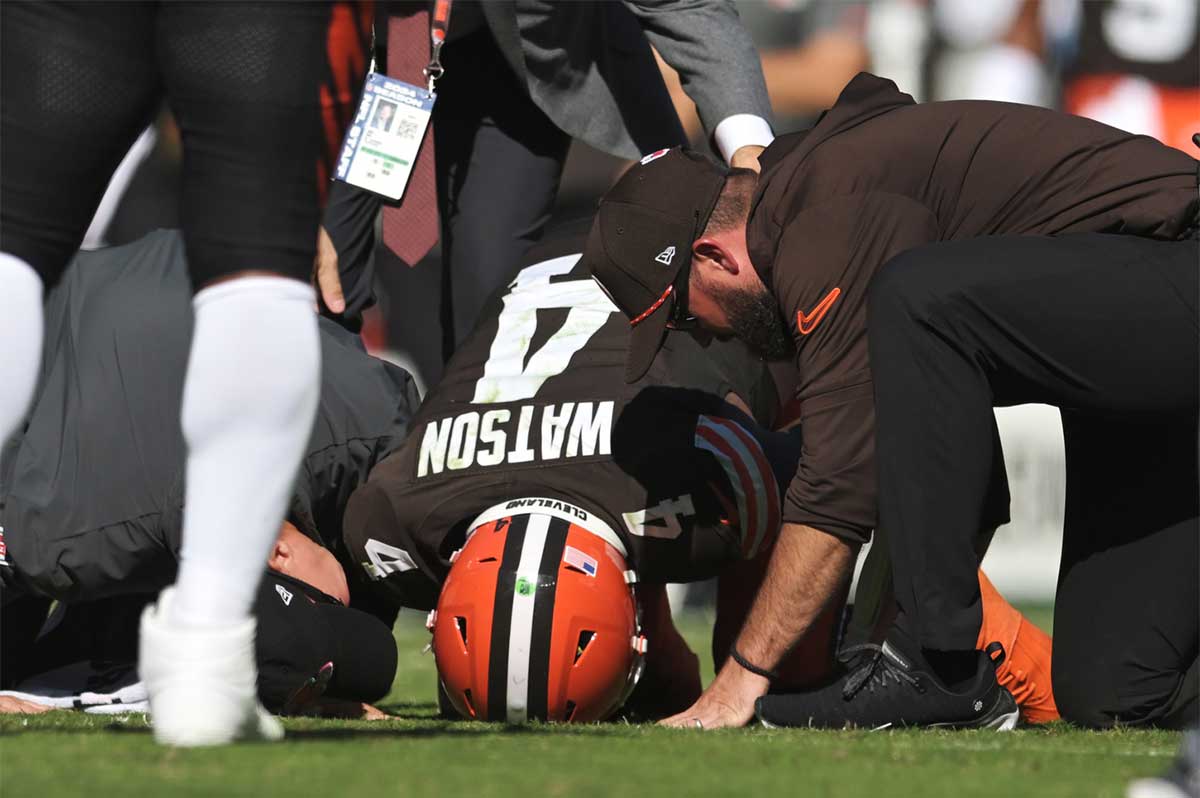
(281, 557)
(715, 253)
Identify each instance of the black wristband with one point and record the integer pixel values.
(750, 666)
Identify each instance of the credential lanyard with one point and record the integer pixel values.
(381, 145)
(439, 23)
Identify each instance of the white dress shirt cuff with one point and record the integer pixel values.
(741, 130)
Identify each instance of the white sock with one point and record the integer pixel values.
(249, 401)
(21, 330)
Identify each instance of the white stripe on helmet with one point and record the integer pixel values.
(520, 632)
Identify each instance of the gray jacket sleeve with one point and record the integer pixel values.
(706, 43)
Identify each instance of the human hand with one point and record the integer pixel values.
(747, 157)
(325, 273)
(727, 703)
(346, 710)
(19, 706)
(670, 681)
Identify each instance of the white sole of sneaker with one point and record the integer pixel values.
(1005, 718)
(1006, 722)
(199, 732)
(1154, 788)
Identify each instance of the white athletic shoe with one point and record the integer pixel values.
(201, 682)
(1182, 779)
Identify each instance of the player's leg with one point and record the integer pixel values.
(1025, 671)
(21, 619)
(933, 396)
(77, 88)
(1127, 613)
(243, 81)
(1087, 321)
(874, 598)
(1026, 668)
(499, 159)
(1102, 321)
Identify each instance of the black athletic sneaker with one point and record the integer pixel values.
(883, 688)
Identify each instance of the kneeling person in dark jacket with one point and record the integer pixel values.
(91, 488)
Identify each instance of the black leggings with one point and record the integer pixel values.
(1105, 328)
(81, 80)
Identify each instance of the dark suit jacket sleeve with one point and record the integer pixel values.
(349, 219)
(823, 268)
(705, 42)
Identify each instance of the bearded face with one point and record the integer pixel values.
(754, 317)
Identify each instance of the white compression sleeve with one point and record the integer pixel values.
(249, 401)
(20, 340)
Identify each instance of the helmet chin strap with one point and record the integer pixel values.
(638, 643)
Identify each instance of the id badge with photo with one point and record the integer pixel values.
(381, 145)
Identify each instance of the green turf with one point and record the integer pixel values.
(63, 754)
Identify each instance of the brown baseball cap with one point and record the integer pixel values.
(640, 247)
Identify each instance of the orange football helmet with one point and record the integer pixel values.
(537, 619)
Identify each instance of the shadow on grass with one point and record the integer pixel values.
(77, 725)
(303, 729)
(456, 729)
(411, 710)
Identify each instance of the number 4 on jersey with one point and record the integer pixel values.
(507, 375)
(662, 520)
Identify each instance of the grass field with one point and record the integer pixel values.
(64, 754)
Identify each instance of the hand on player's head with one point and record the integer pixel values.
(300, 557)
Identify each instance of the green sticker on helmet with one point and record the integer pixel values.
(525, 587)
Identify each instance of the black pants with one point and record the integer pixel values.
(81, 80)
(1105, 328)
(498, 163)
(499, 160)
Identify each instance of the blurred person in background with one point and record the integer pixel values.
(80, 82)
(1137, 67)
(990, 51)
(809, 49)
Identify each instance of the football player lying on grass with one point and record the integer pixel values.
(542, 503)
(680, 475)
(91, 493)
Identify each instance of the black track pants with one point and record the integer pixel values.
(1105, 328)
